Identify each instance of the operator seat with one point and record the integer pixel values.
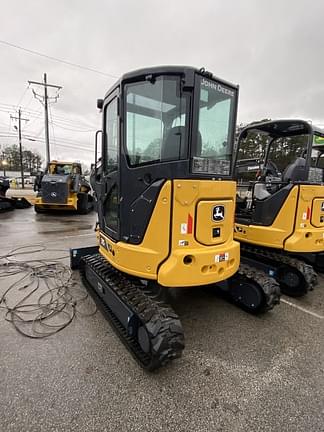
(266, 209)
(295, 171)
(171, 146)
(197, 146)
(260, 191)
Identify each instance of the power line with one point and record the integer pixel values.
(71, 129)
(77, 144)
(76, 121)
(82, 125)
(58, 118)
(22, 97)
(74, 147)
(41, 130)
(65, 123)
(35, 137)
(57, 59)
(36, 117)
(59, 142)
(19, 118)
(72, 141)
(13, 107)
(29, 101)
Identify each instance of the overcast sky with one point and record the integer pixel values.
(272, 49)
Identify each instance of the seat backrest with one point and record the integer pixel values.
(295, 171)
(171, 146)
(197, 147)
(260, 191)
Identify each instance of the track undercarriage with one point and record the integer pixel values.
(151, 330)
(316, 260)
(252, 289)
(147, 326)
(294, 276)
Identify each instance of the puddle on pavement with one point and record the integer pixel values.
(70, 229)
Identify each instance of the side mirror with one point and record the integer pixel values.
(100, 103)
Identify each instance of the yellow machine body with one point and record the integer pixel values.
(298, 226)
(55, 170)
(183, 246)
(71, 204)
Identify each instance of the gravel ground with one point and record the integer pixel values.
(237, 373)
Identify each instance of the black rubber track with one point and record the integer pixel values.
(268, 287)
(160, 321)
(279, 260)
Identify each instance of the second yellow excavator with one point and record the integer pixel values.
(279, 217)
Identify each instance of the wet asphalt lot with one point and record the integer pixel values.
(237, 373)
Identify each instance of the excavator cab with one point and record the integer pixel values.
(280, 208)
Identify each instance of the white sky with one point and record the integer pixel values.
(272, 49)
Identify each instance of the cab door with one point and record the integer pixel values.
(110, 169)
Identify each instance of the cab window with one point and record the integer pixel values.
(155, 121)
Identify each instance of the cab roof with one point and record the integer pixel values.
(284, 128)
(165, 70)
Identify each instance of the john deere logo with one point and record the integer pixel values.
(218, 213)
(53, 194)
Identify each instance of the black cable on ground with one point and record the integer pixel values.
(40, 296)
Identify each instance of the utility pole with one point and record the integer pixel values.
(48, 156)
(19, 118)
(45, 98)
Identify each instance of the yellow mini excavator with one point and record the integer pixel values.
(63, 187)
(280, 209)
(165, 203)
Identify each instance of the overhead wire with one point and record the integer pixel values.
(71, 129)
(57, 59)
(22, 97)
(28, 103)
(27, 125)
(32, 113)
(59, 143)
(69, 120)
(63, 122)
(88, 150)
(3, 123)
(29, 137)
(64, 140)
